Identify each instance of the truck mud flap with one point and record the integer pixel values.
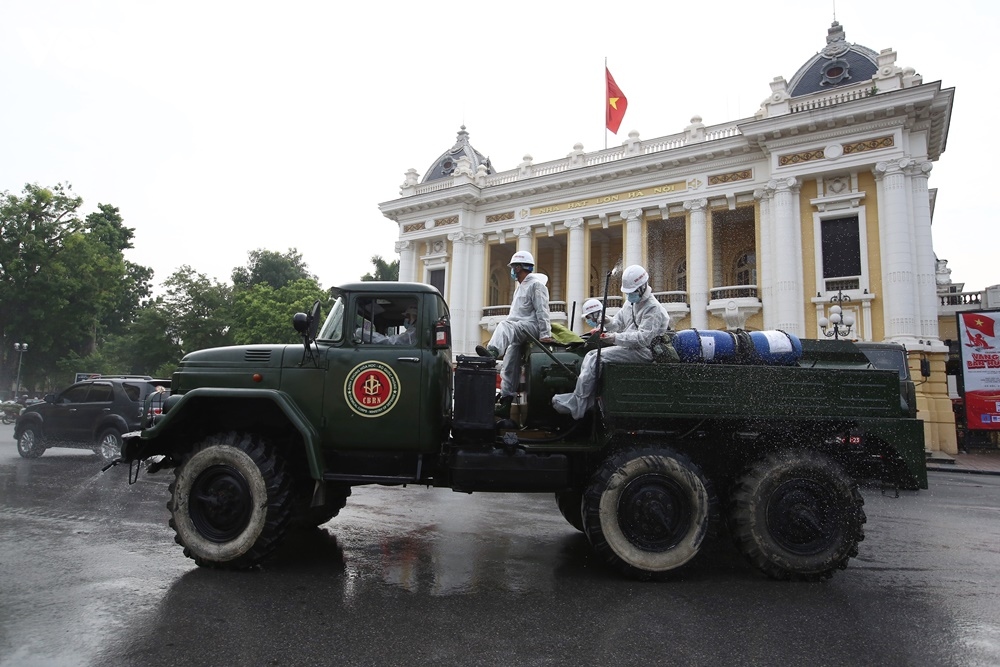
(496, 470)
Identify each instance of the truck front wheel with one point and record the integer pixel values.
(305, 517)
(230, 501)
(797, 515)
(569, 503)
(647, 511)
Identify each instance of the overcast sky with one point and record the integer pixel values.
(222, 127)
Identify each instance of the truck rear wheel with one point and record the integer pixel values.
(647, 511)
(230, 501)
(797, 515)
(570, 506)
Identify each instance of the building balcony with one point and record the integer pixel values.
(734, 304)
(675, 303)
(950, 303)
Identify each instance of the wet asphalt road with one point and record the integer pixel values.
(90, 575)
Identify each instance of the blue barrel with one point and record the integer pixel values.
(706, 346)
(775, 348)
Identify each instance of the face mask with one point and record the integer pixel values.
(513, 274)
(633, 297)
(591, 322)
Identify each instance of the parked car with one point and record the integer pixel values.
(92, 414)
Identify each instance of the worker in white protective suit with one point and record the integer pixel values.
(592, 313)
(631, 332)
(407, 337)
(529, 314)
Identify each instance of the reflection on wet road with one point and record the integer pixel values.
(90, 575)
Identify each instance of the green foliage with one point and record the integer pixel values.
(64, 283)
(196, 310)
(264, 315)
(383, 270)
(270, 268)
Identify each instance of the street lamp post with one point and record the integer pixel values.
(839, 323)
(20, 348)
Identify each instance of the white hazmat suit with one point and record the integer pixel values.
(529, 313)
(635, 326)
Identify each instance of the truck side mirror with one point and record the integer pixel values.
(925, 367)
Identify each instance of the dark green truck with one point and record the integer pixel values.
(266, 438)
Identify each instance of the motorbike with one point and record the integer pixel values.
(10, 411)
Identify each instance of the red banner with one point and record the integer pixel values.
(980, 369)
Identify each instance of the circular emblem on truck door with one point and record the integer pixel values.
(371, 389)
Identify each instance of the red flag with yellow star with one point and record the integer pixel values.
(615, 104)
(979, 322)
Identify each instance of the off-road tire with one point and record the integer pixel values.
(796, 515)
(29, 445)
(646, 511)
(570, 505)
(305, 517)
(109, 445)
(231, 501)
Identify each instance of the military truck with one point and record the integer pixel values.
(264, 439)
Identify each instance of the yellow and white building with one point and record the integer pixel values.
(753, 224)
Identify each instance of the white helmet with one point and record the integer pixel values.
(591, 306)
(522, 257)
(633, 278)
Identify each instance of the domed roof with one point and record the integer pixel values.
(840, 63)
(445, 165)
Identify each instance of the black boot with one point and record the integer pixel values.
(502, 407)
(491, 352)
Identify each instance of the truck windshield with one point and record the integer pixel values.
(333, 328)
(891, 360)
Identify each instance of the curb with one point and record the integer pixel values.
(962, 469)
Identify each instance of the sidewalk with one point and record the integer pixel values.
(977, 461)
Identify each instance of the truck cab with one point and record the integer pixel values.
(893, 357)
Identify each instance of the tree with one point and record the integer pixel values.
(383, 270)
(196, 310)
(64, 283)
(270, 268)
(264, 314)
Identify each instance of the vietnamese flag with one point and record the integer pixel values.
(979, 322)
(615, 103)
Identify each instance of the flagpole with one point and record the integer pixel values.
(605, 105)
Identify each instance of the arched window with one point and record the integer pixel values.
(746, 269)
(681, 276)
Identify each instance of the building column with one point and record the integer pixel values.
(766, 254)
(788, 294)
(457, 304)
(697, 262)
(407, 260)
(926, 262)
(633, 236)
(577, 282)
(932, 395)
(898, 266)
(476, 294)
(524, 239)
